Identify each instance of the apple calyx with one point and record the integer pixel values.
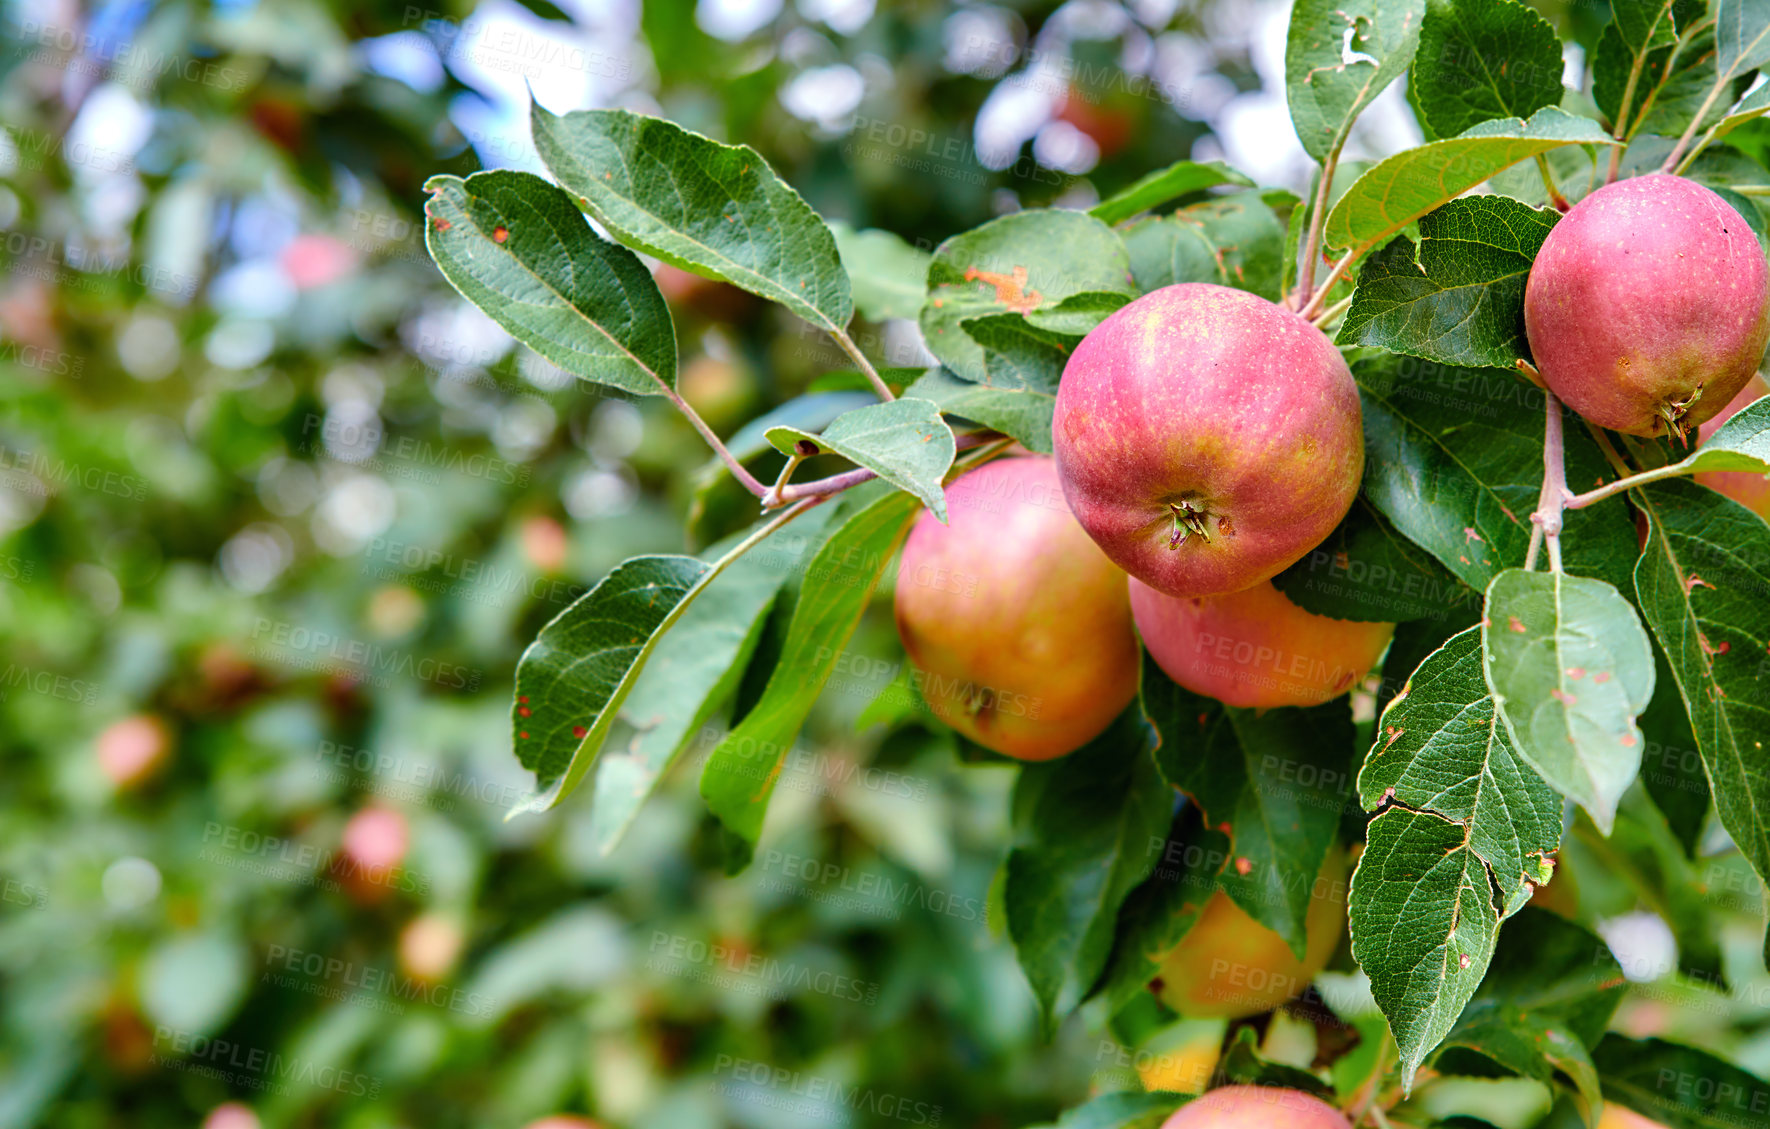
(1674, 411)
(1187, 521)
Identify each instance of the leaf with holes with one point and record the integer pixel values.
(1339, 55)
(717, 210)
(1483, 59)
(516, 247)
(904, 441)
(1400, 189)
(1441, 748)
(1423, 926)
(1570, 668)
(1459, 297)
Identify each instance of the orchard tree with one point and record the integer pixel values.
(1420, 442)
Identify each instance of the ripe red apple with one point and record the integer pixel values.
(231, 1115)
(1750, 490)
(429, 946)
(1229, 965)
(1256, 1107)
(1207, 438)
(1255, 648)
(1019, 625)
(1645, 307)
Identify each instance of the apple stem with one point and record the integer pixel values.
(1555, 197)
(1554, 497)
(772, 497)
(985, 448)
(1313, 306)
(1317, 222)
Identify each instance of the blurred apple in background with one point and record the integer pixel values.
(134, 749)
(231, 1115)
(374, 843)
(429, 946)
(544, 543)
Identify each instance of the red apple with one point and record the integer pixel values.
(1646, 306)
(1207, 438)
(1256, 1107)
(1018, 624)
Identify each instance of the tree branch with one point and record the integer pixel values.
(1314, 305)
(1550, 503)
(1312, 245)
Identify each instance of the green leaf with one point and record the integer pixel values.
(1454, 459)
(887, 276)
(1643, 23)
(1026, 262)
(692, 672)
(1127, 1109)
(1742, 35)
(717, 210)
(903, 441)
(1680, 1087)
(1742, 444)
(1462, 300)
(1278, 779)
(1083, 845)
(516, 247)
(1366, 571)
(1423, 926)
(1528, 1045)
(1234, 240)
(1704, 585)
(572, 679)
(1338, 57)
(1753, 105)
(1019, 355)
(1243, 1065)
(1157, 188)
(1671, 768)
(1021, 413)
(1402, 188)
(1440, 748)
(1484, 59)
(1158, 914)
(741, 772)
(1570, 667)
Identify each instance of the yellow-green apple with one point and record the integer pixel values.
(1230, 965)
(1645, 307)
(1018, 625)
(1255, 648)
(1207, 438)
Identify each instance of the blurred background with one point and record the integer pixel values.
(278, 512)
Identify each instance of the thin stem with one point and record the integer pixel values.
(1611, 454)
(866, 366)
(1696, 150)
(771, 498)
(1749, 189)
(1547, 517)
(1555, 197)
(1365, 1099)
(1320, 320)
(1317, 222)
(836, 483)
(1536, 544)
(1671, 161)
(749, 481)
(1581, 501)
(1313, 306)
